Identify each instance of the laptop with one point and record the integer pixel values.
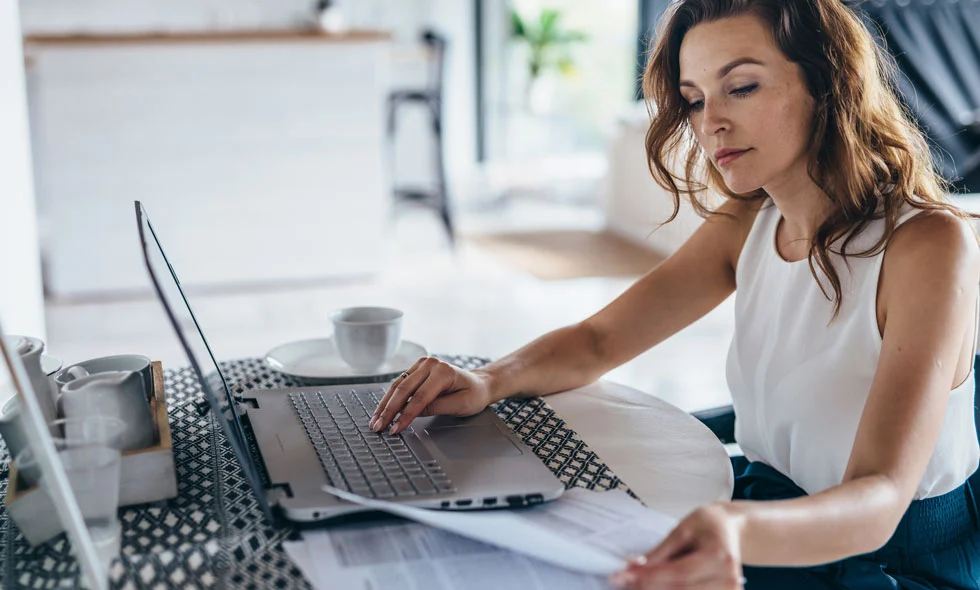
(306, 438)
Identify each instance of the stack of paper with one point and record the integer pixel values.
(573, 542)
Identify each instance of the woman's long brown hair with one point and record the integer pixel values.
(866, 152)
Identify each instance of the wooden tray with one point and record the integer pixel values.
(146, 475)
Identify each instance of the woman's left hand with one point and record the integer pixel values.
(703, 551)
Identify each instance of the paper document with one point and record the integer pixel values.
(507, 529)
(412, 556)
(573, 542)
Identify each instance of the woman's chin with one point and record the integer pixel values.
(741, 186)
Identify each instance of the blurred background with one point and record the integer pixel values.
(477, 163)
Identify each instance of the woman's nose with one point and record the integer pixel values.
(713, 118)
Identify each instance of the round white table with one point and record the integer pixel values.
(670, 460)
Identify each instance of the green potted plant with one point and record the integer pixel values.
(547, 47)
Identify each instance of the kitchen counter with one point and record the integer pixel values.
(259, 155)
(306, 35)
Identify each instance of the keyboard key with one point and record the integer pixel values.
(379, 482)
(362, 490)
(421, 482)
(425, 487)
(403, 489)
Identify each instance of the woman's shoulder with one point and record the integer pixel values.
(932, 241)
(937, 230)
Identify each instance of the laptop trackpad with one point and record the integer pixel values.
(469, 442)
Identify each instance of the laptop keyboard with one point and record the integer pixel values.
(359, 460)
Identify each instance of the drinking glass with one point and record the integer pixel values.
(89, 450)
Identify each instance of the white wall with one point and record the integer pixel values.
(455, 18)
(21, 302)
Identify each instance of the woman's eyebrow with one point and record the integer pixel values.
(727, 68)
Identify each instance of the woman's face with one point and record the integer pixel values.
(750, 107)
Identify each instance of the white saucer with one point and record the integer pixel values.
(318, 360)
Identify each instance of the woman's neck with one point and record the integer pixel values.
(803, 205)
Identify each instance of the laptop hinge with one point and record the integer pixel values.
(277, 491)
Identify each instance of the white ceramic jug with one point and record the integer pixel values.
(119, 394)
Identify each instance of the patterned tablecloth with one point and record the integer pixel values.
(213, 534)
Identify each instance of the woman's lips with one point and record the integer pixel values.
(731, 157)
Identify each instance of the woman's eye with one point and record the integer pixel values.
(745, 90)
(696, 106)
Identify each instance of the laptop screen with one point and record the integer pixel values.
(213, 382)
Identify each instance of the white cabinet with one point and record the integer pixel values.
(634, 203)
(257, 160)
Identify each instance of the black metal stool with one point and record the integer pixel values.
(430, 97)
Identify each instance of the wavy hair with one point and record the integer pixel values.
(865, 152)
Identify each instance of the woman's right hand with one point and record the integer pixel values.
(431, 387)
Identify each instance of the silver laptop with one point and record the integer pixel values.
(292, 442)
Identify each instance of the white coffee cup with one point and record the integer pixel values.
(118, 394)
(367, 337)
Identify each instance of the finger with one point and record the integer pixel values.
(438, 380)
(399, 395)
(391, 389)
(387, 396)
(679, 540)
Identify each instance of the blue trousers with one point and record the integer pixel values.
(935, 547)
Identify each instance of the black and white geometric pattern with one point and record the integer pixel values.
(213, 534)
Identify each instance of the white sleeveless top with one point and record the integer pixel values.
(799, 385)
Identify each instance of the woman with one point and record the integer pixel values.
(856, 311)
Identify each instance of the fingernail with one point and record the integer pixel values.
(394, 428)
(639, 560)
(373, 424)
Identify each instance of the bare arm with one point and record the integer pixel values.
(699, 276)
(689, 284)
